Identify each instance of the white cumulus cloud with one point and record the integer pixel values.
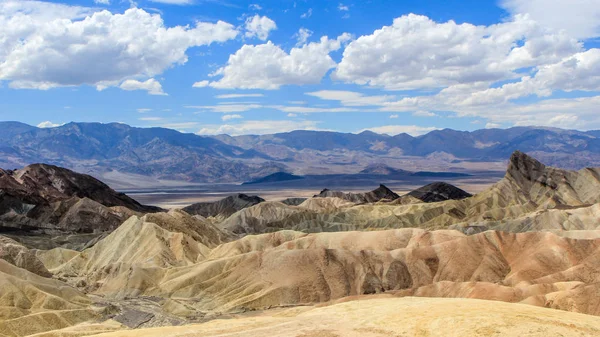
(259, 27)
(416, 52)
(302, 36)
(45, 45)
(152, 86)
(201, 84)
(267, 66)
(579, 18)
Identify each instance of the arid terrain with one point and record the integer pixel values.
(309, 168)
(520, 257)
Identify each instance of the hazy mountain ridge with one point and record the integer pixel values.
(160, 153)
(156, 152)
(485, 143)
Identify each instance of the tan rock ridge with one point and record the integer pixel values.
(18, 255)
(291, 268)
(31, 304)
(528, 188)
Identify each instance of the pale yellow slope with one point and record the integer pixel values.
(154, 240)
(395, 317)
(32, 304)
(292, 268)
(586, 218)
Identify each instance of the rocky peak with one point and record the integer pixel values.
(383, 192)
(224, 207)
(522, 167)
(380, 193)
(247, 198)
(439, 191)
(43, 183)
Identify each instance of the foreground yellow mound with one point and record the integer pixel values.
(30, 303)
(395, 317)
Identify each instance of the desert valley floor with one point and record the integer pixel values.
(518, 257)
(178, 197)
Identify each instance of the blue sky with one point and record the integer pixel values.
(258, 67)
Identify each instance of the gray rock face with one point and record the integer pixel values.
(42, 184)
(44, 206)
(224, 207)
(543, 184)
(439, 191)
(16, 254)
(526, 166)
(378, 194)
(293, 201)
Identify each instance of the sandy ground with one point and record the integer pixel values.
(395, 317)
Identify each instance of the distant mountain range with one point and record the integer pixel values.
(118, 152)
(274, 178)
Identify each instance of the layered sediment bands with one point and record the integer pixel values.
(45, 206)
(291, 268)
(42, 183)
(380, 193)
(224, 207)
(19, 256)
(31, 304)
(529, 190)
(543, 250)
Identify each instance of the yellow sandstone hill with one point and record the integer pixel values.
(292, 268)
(30, 303)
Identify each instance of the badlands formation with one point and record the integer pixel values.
(521, 258)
